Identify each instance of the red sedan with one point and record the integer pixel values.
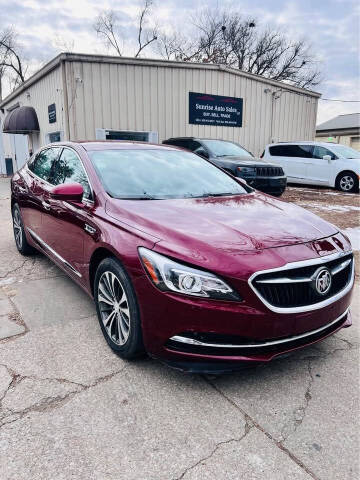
(183, 260)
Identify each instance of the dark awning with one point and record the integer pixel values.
(21, 120)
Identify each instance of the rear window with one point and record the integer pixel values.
(303, 151)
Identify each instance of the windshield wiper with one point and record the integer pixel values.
(217, 194)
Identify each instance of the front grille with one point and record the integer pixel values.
(269, 171)
(295, 287)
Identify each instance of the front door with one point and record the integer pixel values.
(320, 170)
(34, 192)
(64, 224)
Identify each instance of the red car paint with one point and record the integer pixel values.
(233, 237)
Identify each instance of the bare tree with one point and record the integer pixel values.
(106, 27)
(63, 44)
(11, 61)
(145, 35)
(227, 38)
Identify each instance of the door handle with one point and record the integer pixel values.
(46, 205)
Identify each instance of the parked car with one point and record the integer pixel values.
(317, 163)
(232, 157)
(183, 260)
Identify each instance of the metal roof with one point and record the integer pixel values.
(76, 57)
(341, 122)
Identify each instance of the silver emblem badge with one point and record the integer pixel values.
(322, 281)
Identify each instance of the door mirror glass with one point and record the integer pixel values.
(327, 158)
(68, 192)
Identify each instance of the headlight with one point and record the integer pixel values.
(246, 170)
(169, 275)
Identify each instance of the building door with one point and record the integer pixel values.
(9, 166)
(20, 148)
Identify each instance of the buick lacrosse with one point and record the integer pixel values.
(183, 260)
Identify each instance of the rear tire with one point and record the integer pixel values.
(347, 182)
(19, 232)
(117, 309)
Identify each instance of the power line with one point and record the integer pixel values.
(337, 100)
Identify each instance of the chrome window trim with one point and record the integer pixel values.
(192, 341)
(305, 263)
(51, 250)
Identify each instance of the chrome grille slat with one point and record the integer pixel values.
(293, 292)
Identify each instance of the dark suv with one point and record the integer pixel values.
(232, 157)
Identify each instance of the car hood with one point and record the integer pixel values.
(245, 161)
(242, 222)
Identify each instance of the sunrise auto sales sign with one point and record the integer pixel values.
(215, 110)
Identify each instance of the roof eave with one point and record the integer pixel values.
(77, 57)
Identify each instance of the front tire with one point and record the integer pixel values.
(117, 309)
(347, 182)
(19, 232)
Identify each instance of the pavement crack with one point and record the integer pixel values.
(214, 450)
(253, 422)
(14, 269)
(299, 413)
(46, 403)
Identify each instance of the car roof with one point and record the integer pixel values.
(90, 145)
(303, 142)
(199, 139)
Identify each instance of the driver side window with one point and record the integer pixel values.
(69, 169)
(320, 152)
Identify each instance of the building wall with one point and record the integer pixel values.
(349, 140)
(140, 97)
(47, 90)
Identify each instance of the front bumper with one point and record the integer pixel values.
(255, 333)
(274, 185)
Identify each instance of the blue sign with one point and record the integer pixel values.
(215, 110)
(52, 113)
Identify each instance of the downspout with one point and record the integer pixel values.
(66, 103)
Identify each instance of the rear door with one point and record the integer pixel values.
(66, 226)
(36, 177)
(320, 170)
(295, 160)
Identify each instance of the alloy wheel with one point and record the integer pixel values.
(17, 225)
(347, 183)
(114, 308)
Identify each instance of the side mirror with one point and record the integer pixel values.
(327, 158)
(68, 192)
(202, 153)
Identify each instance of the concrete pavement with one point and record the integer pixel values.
(70, 408)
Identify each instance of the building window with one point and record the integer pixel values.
(54, 137)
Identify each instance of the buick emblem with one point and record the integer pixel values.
(322, 281)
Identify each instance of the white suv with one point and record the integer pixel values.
(317, 163)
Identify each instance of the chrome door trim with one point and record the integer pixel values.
(53, 252)
(305, 263)
(192, 341)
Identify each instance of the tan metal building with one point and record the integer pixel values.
(343, 129)
(89, 96)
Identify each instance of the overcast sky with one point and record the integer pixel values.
(330, 26)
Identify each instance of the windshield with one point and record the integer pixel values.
(160, 174)
(344, 151)
(221, 148)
